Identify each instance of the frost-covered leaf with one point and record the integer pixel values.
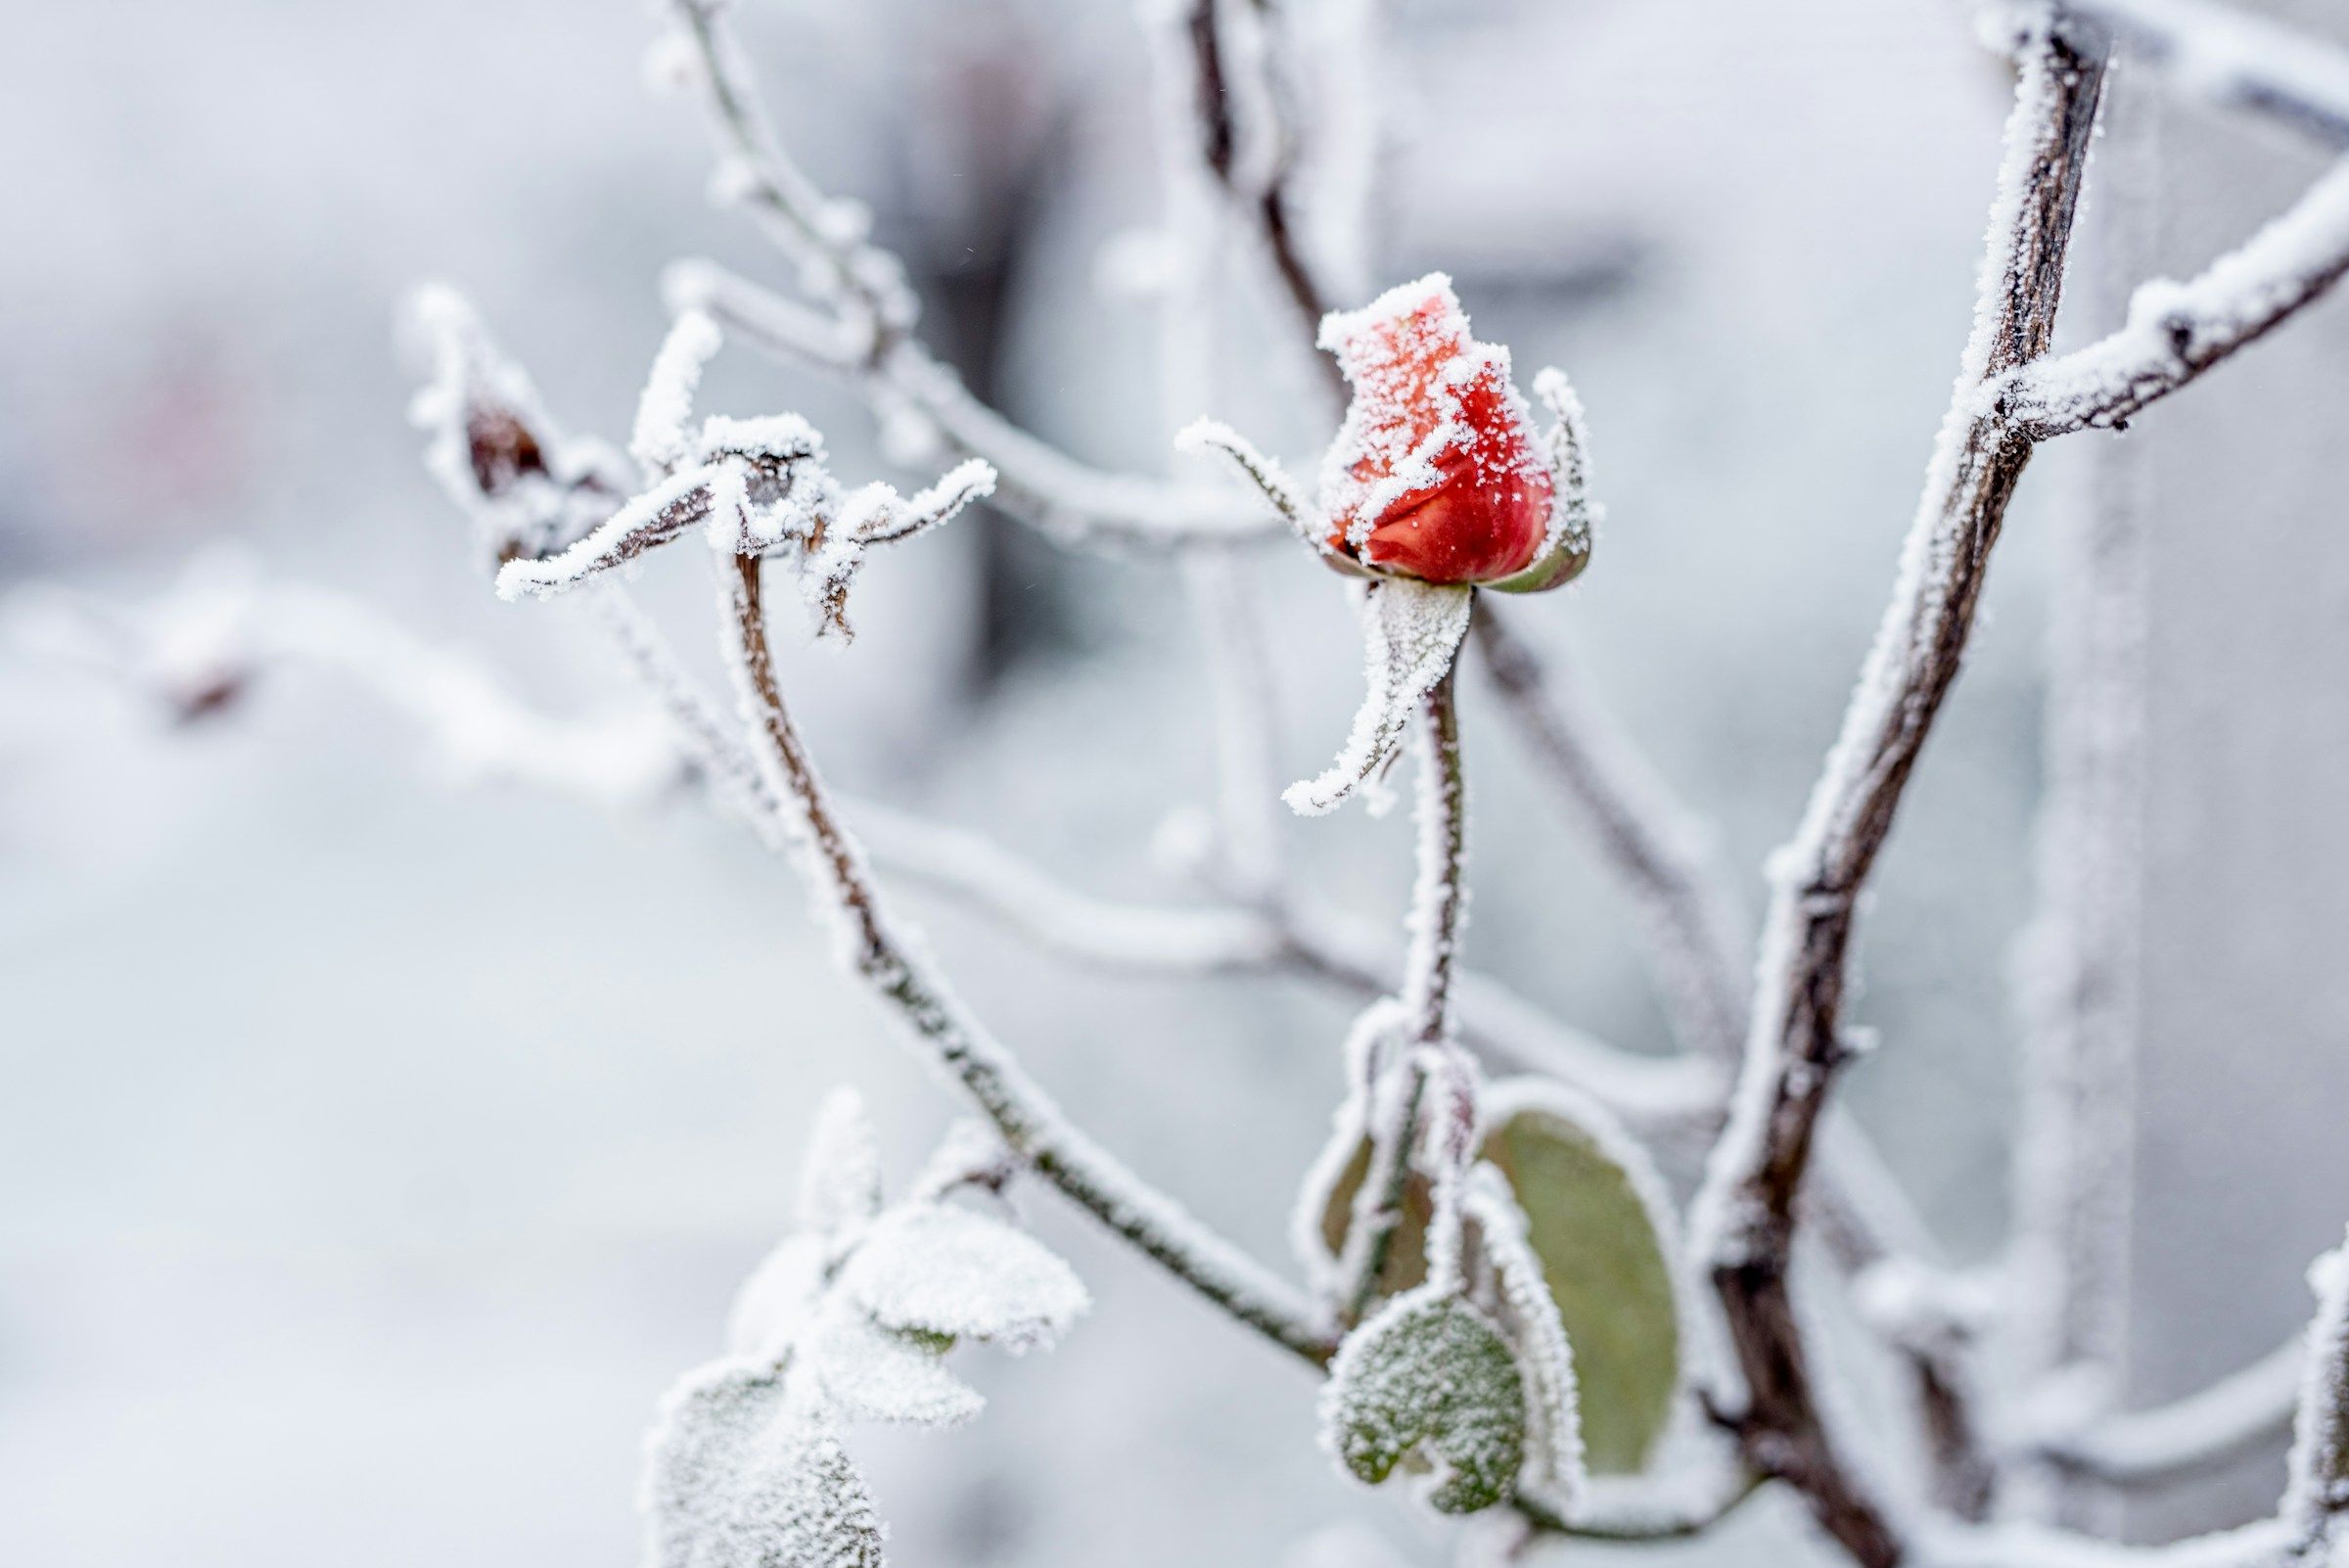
(1597, 1217)
(840, 1181)
(778, 1299)
(744, 1475)
(871, 1373)
(1529, 1314)
(930, 1268)
(1411, 630)
(1599, 1220)
(1429, 1377)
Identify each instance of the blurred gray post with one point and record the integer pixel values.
(2241, 957)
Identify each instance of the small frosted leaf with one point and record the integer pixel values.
(742, 1476)
(840, 1181)
(775, 1304)
(929, 1267)
(1429, 1377)
(1411, 632)
(1597, 1219)
(870, 1374)
(1530, 1316)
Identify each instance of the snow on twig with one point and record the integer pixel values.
(1068, 501)
(2176, 330)
(901, 975)
(2234, 59)
(1745, 1212)
(2241, 1411)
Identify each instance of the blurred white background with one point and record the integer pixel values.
(373, 1153)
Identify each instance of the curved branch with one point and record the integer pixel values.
(898, 973)
(1747, 1208)
(2238, 1413)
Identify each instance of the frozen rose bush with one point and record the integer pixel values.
(1507, 1313)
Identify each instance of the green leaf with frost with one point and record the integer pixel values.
(1597, 1216)
(1429, 1378)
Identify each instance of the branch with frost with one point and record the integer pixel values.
(2177, 330)
(863, 326)
(759, 491)
(1247, 137)
(2316, 1493)
(824, 238)
(2237, 1415)
(1423, 1013)
(2233, 59)
(924, 405)
(897, 974)
(1746, 1210)
(203, 645)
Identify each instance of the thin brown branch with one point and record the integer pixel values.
(1748, 1208)
(1439, 899)
(2175, 331)
(2232, 59)
(1267, 198)
(1026, 1117)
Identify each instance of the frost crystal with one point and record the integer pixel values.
(1429, 1376)
(1411, 631)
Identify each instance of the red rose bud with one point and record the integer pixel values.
(1437, 473)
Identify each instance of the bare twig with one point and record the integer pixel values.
(2232, 1416)
(865, 330)
(2234, 59)
(1439, 902)
(1747, 1208)
(2066, 1321)
(1265, 193)
(2177, 330)
(1030, 1123)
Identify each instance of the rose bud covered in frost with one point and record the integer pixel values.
(1437, 473)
